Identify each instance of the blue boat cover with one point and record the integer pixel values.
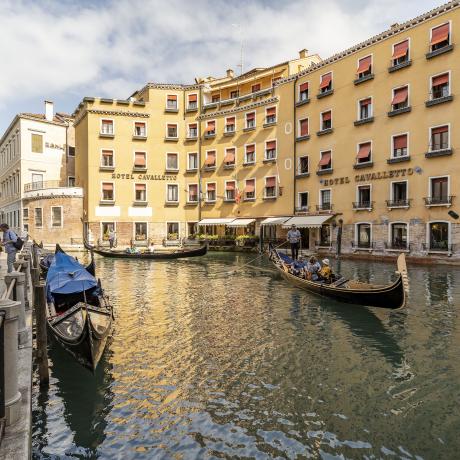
(67, 276)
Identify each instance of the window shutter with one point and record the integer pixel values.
(229, 156)
(172, 97)
(439, 130)
(250, 186)
(192, 98)
(440, 34)
(441, 79)
(304, 127)
(364, 64)
(326, 116)
(211, 187)
(270, 145)
(271, 111)
(250, 116)
(107, 186)
(325, 158)
(400, 142)
(139, 159)
(366, 102)
(231, 121)
(364, 151)
(325, 80)
(400, 49)
(140, 187)
(400, 95)
(230, 186)
(303, 87)
(270, 182)
(250, 148)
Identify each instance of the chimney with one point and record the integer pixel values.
(49, 110)
(230, 73)
(303, 54)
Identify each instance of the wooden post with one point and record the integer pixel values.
(40, 322)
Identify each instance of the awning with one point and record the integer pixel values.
(307, 221)
(274, 220)
(222, 221)
(241, 222)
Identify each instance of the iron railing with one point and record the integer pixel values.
(404, 203)
(363, 205)
(438, 200)
(40, 185)
(438, 246)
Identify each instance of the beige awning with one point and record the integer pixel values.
(274, 220)
(222, 221)
(307, 221)
(241, 222)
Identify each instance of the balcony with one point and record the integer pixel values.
(363, 205)
(439, 51)
(438, 201)
(395, 204)
(47, 189)
(439, 100)
(324, 207)
(438, 153)
(139, 137)
(364, 78)
(395, 67)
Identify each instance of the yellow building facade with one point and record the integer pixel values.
(358, 150)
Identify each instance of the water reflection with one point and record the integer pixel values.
(212, 362)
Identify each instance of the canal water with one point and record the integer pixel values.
(209, 362)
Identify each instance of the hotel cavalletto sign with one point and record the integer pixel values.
(369, 177)
(130, 176)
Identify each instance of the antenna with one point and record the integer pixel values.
(241, 64)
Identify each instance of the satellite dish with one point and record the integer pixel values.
(418, 170)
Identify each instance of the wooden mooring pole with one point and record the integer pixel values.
(42, 339)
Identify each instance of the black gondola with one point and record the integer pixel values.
(79, 315)
(392, 296)
(161, 255)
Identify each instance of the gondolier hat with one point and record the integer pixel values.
(325, 261)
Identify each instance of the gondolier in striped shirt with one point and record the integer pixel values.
(293, 237)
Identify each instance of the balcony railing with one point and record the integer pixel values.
(438, 200)
(398, 203)
(363, 205)
(438, 246)
(302, 208)
(41, 185)
(324, 207)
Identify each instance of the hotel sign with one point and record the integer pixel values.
(130, 176)
(369, 177)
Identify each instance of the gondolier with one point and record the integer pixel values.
(293, 237)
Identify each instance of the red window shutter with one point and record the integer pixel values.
(210, 187)
(172, 97)
(210, 158)
(400, 142)
(271, 111)
(250, 116)
(230, 186)
(192, 98)
(250, 186)
(304, 127)
(326, 116)
(441, 79)
(440, 34)
(400, 49)
(107, 122)
(440, 130)
(139, 124)
(365, 102)
(107, 153)
(270, 145)
(364, 151)
(400, 95)
(325, 159)
(192, 126)
(107, 186)
(250, 148)
(364, 64)
(211, 126)
(229, 156)
(303, 87)
(231, 121)
(193, 189)
(325, 80)
(140, 187)
(270, 182)
(255, 88)
(139, 159)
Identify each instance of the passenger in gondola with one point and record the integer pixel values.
(325, 273)
(312, 269)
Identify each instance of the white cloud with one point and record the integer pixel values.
(61, 51)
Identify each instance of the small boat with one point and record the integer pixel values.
(161, 255)
(79, 315)
(47, 259)
(392, 296)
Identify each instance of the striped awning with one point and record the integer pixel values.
(241, 222)
(274, 220)
(307, 221)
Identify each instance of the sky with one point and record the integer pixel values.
(65, 50)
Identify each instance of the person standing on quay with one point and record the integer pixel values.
(293, 237)
(9, 237)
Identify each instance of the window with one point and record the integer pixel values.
(398, 235)
(230, 155)
(106, 228)
(107, 127)
(172, 162)
(400, 143)
(270, 115)
(173, 230)
(326, 120)
(71, 181)
(172, 130)
(400, 53)
(234, 94)
(192, 228)
(250, 189)
(250, 153)
(211, 191)
(400, 98)
(140, 160)
(365, 108)
(192, 130)
(303, 92)
(71, 151)
(210, 161)
(399, 194)
(230, 187)
(215, 98)
(364, 196)
(270, 187)
(171, 102)
(26, 228)
(38, 217)
(440, 37)
(303, 127)
(270, 150)
(364, 153)
(140, 192)
(364, 67)
(192, 193)
(325, 161)
(325, 200)
(303, 165)
(303, 201)
(439, 138)
(438, 234)
(37, 143)
(326, 83)
(325, 235)
(140, 231)
(107, 158)
(255, 88)
(192, 102)
(210, 128)
(37, 181)
(107, 191)
(192, 161)
(25, 213)
(56, 216)
(363, 235)
(250, 120)
(440, 86)
(140, 129)
(172, 193)
(230, 125)
(439, 190)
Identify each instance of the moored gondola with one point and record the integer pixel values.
(79, 315)
(392, 296)
(160, 255)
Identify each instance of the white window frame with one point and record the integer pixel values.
(134, 157)
(35, 217)
(134, 229)
(215, 126)
(188, 130)
(215, 191)
(321, 119)
(299, 201)
(358, 108)
(299, 173)
(450, 40)
(188, 101)
(332, 158)
(332, 80)
(255, 154)
(398, 182)
(188, 161)
(276, 113)
(357, 151)
(430, 191)
(299, 124)
(230, 148)
(113, 126)
(178, 227)
(430, 130)
(390, 224)
(188, 192)
(276, 187)
(169, 184)
(178, 159)
(146, 192)
(246, 120)
(255, 189)
(276, 149)
(320, 195)
(177, 130)
(177, 101)
(235, 190)
(392, 137)
(134, 128)
(408, 39)
(358, 186)
(400, 87)
(430, 83)
(102, 191)
(206, 157)
(309, 89)
(449, 236)
(356, 239)
(113, 158)
(371, 55)
(225, 127)
(51, 217)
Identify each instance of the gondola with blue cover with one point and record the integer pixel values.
(79, 315)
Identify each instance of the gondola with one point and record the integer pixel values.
(392, 296)
(78, 313)
(161, 255)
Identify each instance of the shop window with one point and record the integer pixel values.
(438, 236)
